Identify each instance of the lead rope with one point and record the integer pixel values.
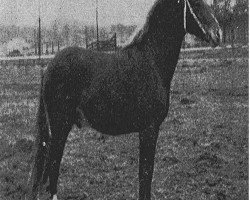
(185, 16)
(194, 15)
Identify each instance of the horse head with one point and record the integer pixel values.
(199, 20)
(169, 19)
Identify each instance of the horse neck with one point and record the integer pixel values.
(165, 53)
(162, 47)
(160, 38)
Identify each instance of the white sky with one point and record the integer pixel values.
(25, 12)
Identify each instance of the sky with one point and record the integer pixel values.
(25, 12)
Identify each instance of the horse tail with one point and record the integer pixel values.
(42, 146)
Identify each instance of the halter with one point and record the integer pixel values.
(187, 4)
(185, 15)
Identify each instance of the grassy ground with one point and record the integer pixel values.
(202, 151)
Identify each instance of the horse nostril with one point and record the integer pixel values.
(218, 34)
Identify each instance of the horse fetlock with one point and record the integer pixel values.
(54, 197)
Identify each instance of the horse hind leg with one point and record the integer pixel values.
(40, 153)
(60, 128)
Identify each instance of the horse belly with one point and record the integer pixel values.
(111, 127)
(113, 119)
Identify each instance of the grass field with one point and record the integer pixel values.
(202, 151)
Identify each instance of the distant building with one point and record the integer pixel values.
(17, 44)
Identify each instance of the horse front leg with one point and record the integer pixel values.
(148, 140)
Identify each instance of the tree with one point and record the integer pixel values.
(241, 7)
(103, 34)
(66, 34)
(130, 30)
(123, 32)
(56, 37)
(231, 14)
(90, 33)
(240, 11)
(223, 12)
(76, 34)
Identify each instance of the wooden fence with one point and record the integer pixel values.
(194, 53)
(103, 45)
(26, 61)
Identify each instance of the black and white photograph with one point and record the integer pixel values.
(124, 100)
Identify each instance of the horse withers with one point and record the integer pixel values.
(119, 93)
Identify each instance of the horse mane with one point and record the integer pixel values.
(137, 36)
(142, 30)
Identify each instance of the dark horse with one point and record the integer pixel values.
(118, 93)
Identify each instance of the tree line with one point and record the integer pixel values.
(67, 34)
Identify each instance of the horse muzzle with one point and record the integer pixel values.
(214, 36)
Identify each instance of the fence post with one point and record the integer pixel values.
(47, 48)
(41, 49)
(35, 49)
(86, 41)
(52, 43)
(58, 46)
(115, 42)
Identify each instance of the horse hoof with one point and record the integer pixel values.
(54, 197)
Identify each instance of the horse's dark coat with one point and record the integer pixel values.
(118, 93)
